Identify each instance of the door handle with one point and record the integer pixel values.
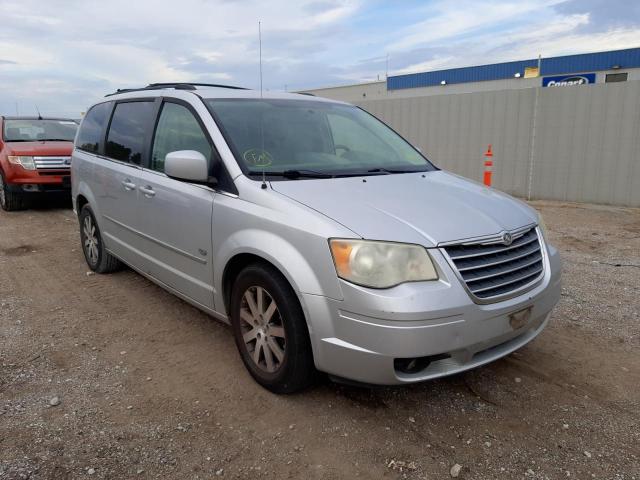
(147, 191)
(128, 185)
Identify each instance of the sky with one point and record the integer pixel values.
(63, 55)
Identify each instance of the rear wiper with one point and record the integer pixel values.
(293, 174)
(53, 140)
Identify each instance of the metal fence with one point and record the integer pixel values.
(579, 143)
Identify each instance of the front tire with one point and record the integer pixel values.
(270, 330)
(10, 201)
(96, 255)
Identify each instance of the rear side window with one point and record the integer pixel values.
(177, 129)
(90, 134)
(127, 132)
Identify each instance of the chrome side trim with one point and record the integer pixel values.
(158, 242)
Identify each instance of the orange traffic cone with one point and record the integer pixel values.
(488, 166)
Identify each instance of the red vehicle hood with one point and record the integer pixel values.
(40, 148)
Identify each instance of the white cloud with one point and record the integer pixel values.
(446, 20)
(63, 54)
(437, 63)
(120, 43)
(221, 76)
(574, 43)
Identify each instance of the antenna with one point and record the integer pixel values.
(38, 110)
(260, 47)
(264, 175)
(386, 71)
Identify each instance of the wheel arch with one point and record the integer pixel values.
(246, 247)
(82, 197)
(81, 201)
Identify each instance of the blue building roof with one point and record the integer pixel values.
(587, 62)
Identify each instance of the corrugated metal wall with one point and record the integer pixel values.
(577, 144)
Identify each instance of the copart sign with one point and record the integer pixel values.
(568, 80)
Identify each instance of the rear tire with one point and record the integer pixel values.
(10, 201)
(270, 330)
(96, 255)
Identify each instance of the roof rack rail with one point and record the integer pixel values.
(187, 85)
(176, 85)
(308, 94)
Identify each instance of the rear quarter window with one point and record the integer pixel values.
(130, 124)
(92, 128)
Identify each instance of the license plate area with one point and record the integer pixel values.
(519, 319)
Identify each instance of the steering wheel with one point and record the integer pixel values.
(341, 147)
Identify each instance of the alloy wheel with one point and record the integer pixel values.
(262, 329)
(90, 240)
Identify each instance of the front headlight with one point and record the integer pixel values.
(26, 162)
(381, 264)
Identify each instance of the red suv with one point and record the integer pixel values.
(35, 157)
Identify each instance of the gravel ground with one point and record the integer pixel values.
(109, 376)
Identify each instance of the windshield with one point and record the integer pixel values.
(23, 130)
(312, 138)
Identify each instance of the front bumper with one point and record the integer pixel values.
(361, 337)
(49, 187)
(19, 180)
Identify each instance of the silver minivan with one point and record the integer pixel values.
(321, 236)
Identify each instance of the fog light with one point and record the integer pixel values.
(417, 364)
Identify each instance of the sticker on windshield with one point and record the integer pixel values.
(257, 157)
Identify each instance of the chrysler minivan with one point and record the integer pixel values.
(321, 236)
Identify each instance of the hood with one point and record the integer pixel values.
(439, 207)
(40, 148)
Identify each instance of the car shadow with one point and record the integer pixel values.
(53, 201)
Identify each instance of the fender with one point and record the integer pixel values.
(83, 189)
(296, 268)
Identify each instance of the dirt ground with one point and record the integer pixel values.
(149, 387)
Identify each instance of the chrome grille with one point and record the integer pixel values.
(52, 163)
(492, 270)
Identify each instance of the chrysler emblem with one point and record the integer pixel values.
(507, 239)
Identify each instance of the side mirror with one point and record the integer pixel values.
(187, 165)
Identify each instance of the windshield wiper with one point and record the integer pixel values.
(293, 174)
(391, 170)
